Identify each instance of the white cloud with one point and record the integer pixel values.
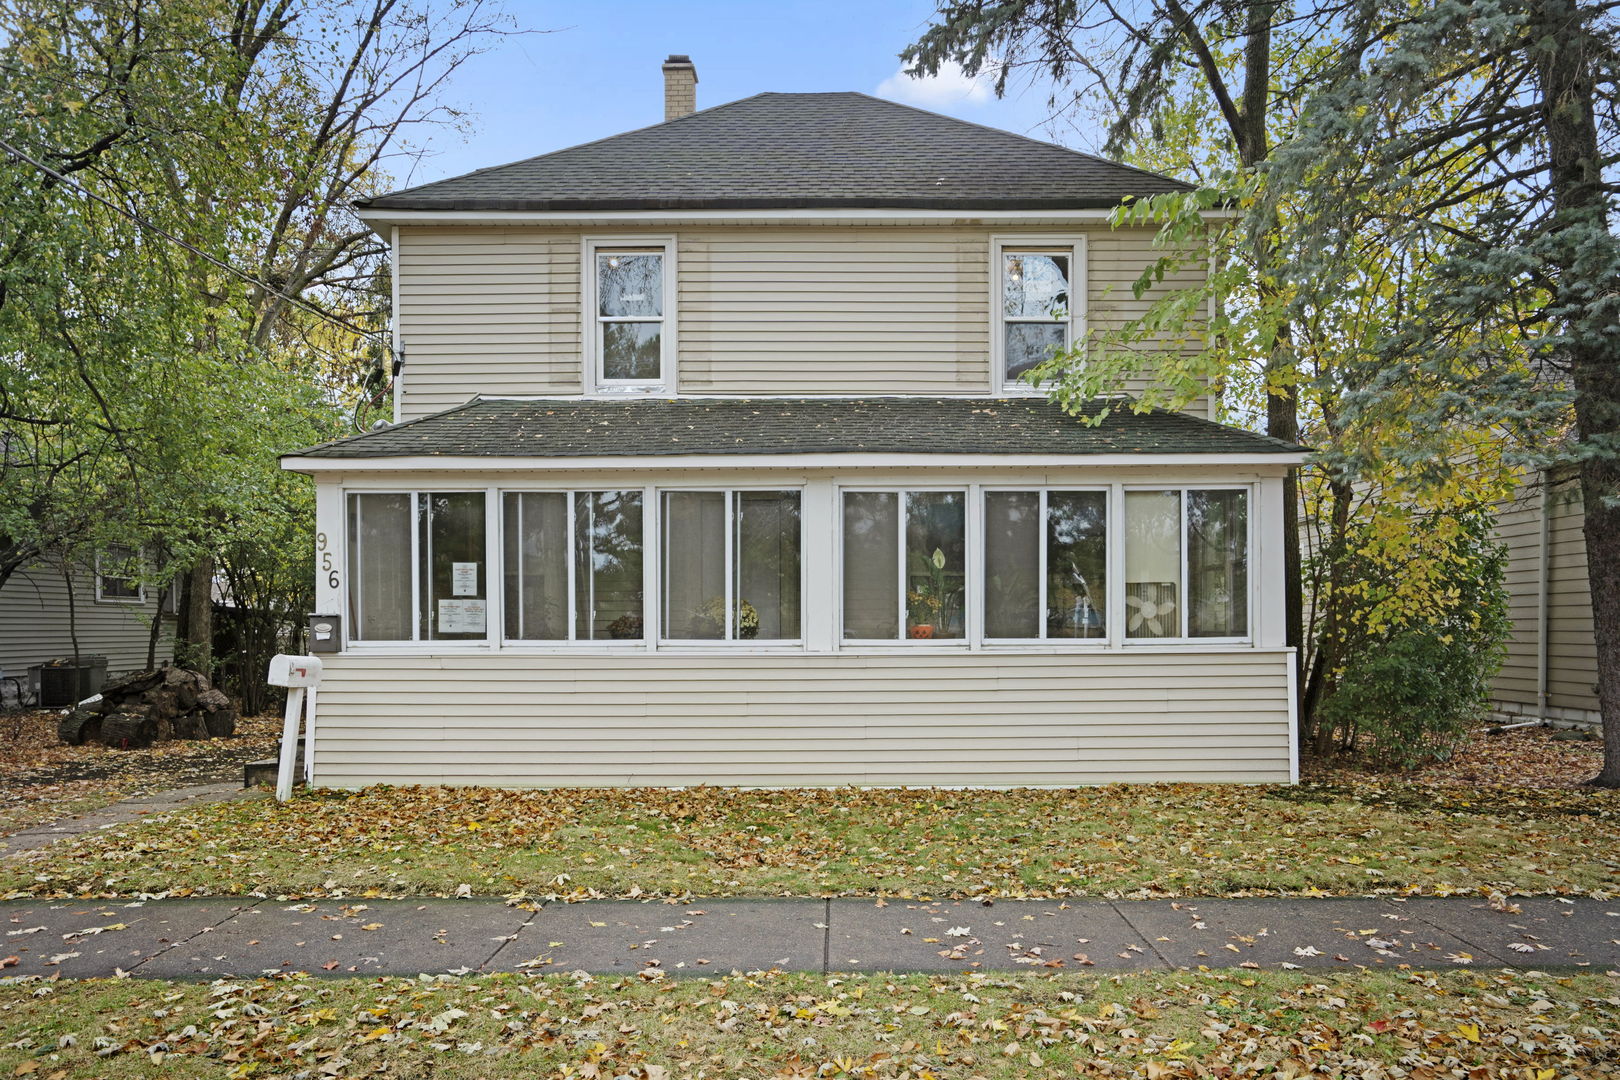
(950, 87)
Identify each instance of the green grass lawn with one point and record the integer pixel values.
(1138, 840)
(1479, 1025)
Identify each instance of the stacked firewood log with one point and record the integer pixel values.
(151, 706)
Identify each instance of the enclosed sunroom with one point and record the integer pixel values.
(819, 591)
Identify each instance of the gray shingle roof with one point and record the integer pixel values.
(796, 151)
(585, 427)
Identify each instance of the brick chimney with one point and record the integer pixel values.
(680, 86)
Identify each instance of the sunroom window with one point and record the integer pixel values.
(905, 556)
(1045, 564)
(1037, 312)
(731, 565)
(1192, 537)
(444, 597)
(630, 340)
(573, 565)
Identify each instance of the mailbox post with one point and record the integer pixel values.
(298, 674)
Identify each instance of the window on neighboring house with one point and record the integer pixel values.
(730, 566)
(630, 296)
(417, 566)
(1193, 538)
(905, 555)
(118, 571)
(1045, 564)
(573, 565)
(1039, 310)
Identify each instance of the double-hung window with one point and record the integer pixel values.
(630, 300)
(731, 566)
(573, 565)
(1038, 304)
(1186, 563)
(905, 560)
(417, 569)
(1045, 565)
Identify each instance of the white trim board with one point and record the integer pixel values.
(379, 218)
(784, 462)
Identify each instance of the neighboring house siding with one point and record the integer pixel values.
(34, 624)
(822, 310)
(756, 720)
(1570, 652)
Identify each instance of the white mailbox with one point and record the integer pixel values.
(295, 671)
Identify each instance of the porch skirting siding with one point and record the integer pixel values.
(908, 717)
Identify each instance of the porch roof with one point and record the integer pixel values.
(658, 427)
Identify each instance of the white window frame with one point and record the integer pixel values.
(821, 523)
(1110, 541)
(728, 642)
(493, 615)
(1000, 246)
(971, 571)
(102, 579)
(591, 329)
(573, 641)
(1184, 601)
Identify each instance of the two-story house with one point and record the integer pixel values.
(714, 464)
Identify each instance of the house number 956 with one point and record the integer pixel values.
(326, 561)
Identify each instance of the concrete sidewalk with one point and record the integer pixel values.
(212, 938)
(122, 812)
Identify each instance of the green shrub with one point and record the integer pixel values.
(1407, 695)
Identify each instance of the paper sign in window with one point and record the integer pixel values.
(464, 578)
(461, 616)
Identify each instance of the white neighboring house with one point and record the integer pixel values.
(712, 465)
(111, 615)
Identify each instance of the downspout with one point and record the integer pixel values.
(1543, 589)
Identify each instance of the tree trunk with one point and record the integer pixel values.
(1566, 53)
(157, 628)
(194, 638)
(73, 616)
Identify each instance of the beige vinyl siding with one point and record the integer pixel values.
(546, 719)
(769, 311)
(1571, 644)
(1570, 650)
(487, 311)
(34, 623)
(1518, 527)
(835, 311)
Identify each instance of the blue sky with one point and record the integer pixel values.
(597, 72)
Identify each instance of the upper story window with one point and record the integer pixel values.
(630, 337)
(1040, 309)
